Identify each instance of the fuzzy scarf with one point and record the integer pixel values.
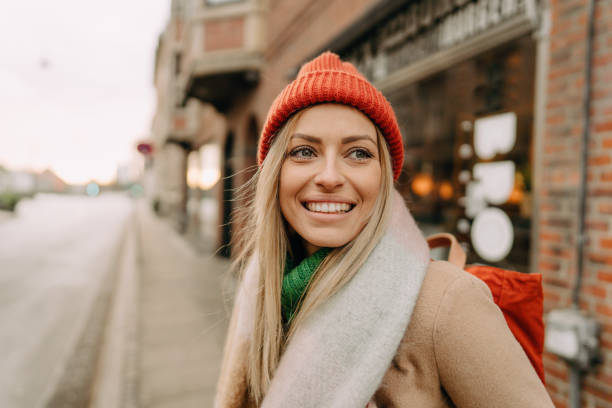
(340, 354)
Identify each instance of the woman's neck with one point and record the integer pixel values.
(309, 248)
(301, 249)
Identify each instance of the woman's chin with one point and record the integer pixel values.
(327, 236)
(331, 242)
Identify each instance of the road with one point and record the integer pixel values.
(55, 255)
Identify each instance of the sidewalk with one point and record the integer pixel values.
(171, 317)
(184, 311)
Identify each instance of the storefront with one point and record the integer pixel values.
(460, 76)
(494, 98)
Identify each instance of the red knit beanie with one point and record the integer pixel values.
(327, 79)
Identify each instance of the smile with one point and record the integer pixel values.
(328, 207)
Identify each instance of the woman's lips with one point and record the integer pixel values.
(328, 207)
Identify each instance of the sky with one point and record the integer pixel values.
(76, 83)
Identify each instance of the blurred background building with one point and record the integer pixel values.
(491, 97)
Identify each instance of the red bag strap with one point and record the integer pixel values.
(456, 255)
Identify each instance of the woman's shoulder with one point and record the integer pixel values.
(445, 287)
(473, 345)
(444, 279)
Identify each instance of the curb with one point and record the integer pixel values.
(78, 378)
(115, 381)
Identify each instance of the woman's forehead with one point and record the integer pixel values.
(330, 119)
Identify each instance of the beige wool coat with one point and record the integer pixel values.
(457, 351)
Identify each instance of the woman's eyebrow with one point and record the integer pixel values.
(350, 139)
(308, 138)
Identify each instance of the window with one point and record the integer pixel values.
(442, 119)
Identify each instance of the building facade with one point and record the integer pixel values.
(495, 99)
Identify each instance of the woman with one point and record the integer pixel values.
(339, 305)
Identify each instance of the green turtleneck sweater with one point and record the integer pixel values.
(296, 280)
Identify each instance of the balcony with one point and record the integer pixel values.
(224, 44)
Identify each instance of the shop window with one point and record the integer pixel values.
(468, 143)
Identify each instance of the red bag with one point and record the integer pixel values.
(518, 295)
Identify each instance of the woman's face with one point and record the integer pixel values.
(331, 176)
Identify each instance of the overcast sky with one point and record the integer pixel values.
(76, 87)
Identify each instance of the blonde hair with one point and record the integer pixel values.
(264, 233)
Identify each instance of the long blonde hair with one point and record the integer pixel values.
(264, 232)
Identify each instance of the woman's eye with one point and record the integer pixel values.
(360, 154)
(302, 153)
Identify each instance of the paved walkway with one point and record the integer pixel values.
(183, 307)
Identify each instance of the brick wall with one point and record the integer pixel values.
(559, 180)
(227, 33)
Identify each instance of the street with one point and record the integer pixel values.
(104, 305)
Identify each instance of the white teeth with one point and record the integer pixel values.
(328, 207)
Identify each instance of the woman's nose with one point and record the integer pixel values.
(329, 175)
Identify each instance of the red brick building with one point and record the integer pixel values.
(560, 182)
(491, 97)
